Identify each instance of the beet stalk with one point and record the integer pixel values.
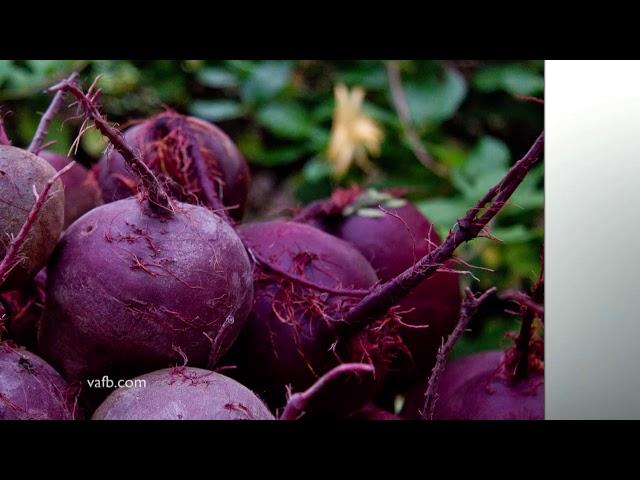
(468, 227)
(299, 403)
(43, 127)
(158, 198)
(469, 307)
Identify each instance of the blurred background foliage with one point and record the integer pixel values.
(469, 116)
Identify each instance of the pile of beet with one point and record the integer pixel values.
(140, 271)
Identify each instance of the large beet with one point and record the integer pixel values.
(163, 142)
(81, 189)
(20, 173)
(130, 290)
(30, 389)
(183, 393)
(290, 335)
(392, 240)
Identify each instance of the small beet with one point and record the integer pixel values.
(164, 144)
(290, 336)
(81, 189)
(130, 290)
(30, 389)
(20, 173)
(455, 374)
(490, 396)
(183, 393)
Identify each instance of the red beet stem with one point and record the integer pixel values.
(298, 402)
(468, 227)
(158, 197)
(469, 308)
(11, 259)
(43, 127)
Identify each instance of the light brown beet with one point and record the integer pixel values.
(20, 173)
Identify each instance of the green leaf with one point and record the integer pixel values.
(316, 169)
(216, 110)
(265, 81)
(514, 234)
(434, 100)
(217, 78)
(286, 120)
(512, 78)
(443, 212)
(279, 155)
(489, 155)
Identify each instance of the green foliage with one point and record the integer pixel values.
(280, 115)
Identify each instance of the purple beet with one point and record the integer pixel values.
(164, 143)
(454, 375)
(81, 190)
(491, 396)
(183, 393)
(130, 291)
(30, 389)
(392, 240)
(290, 337)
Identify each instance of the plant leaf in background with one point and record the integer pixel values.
(216, 110)
(513, 78)
(287, 120)
(265, 81)
(435, 98)
(217, 78)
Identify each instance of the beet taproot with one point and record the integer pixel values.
(290, 337)
(164, 143)
(30, 389)
(130, 290)
(183, 393)
(20, 173)
(81, 189)
(393, 234)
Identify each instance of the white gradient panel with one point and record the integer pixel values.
(592, 239)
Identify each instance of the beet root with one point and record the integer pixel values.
(30, 389)
(392, 240)
(183, 393)
(290, 337)
(81, 189)
(129, 291)
(20, 173)
(164, 144)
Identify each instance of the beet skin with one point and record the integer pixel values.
(129, 291)
(479, 387)
(163, 142)
(20, 173)
(455, 374)
(30, 389)
(183, 393)
(289, 335)
(81, 189)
